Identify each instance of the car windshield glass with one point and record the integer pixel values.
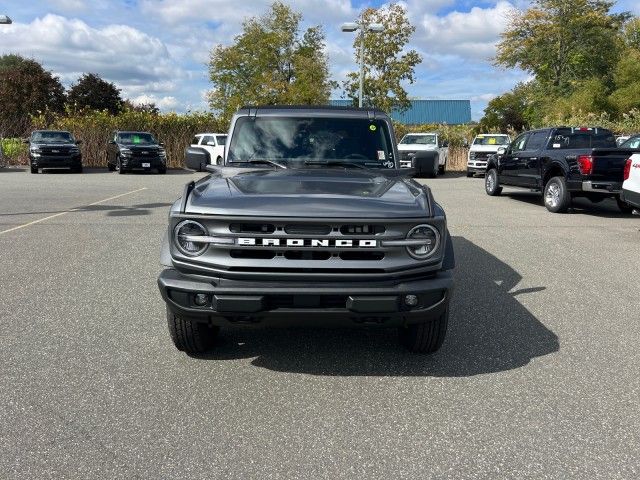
(632, 142)
(299, 142)
(52, 137)
(134, 138)
(418, 140)
(491, 140)
(222, 139)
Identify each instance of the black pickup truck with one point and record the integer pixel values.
(562, 163)
(310, 221)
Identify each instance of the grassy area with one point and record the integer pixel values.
(14, 152)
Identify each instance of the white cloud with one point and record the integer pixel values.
(163, 103)
(471, 35)
(129, 57)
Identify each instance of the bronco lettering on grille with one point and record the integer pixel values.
(307, 242)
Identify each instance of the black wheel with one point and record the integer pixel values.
(119, 168)
(77, 169)
(624, 206)
(162, 170)
(557, 198)
(189, 335)
(469, 174)
(491, 184)
(34, 169)
(433, 170)
(219, 160)
(111, 167)
(442, 169)
(425, 337)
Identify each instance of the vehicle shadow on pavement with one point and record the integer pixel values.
(111, 210)
(606, 208)
(489, 331)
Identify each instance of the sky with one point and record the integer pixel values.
(157, 50)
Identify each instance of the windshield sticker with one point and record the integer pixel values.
(381, 155)
(556, 145)
(372, 127)
(388, 164)
(136, 139)
(492, 141)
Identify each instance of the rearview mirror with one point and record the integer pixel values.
(501, 150)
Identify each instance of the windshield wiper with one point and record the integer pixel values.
(259, 160)
(336, 163)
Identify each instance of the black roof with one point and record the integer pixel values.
(356, 111)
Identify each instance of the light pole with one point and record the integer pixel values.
(352, 27)
(4, 19)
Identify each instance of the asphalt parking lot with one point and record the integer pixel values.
(539, 376)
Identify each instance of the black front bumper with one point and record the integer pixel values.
(138, 163)
(52, 161)
(345, 304)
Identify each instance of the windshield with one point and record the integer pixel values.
(491, 140)
(136, 138)
(297, 142)
(52, 137)
(430, 139)
(633, 142)
(222, 139)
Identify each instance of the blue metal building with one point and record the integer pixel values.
(452, 112)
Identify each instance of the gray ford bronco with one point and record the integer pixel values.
(309, 221)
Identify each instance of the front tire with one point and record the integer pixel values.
(425, 337)
(624, 206)
(442, 169)
(34, 170)
(469, 174)
(491, 183)
(162, 170)
(557, 198)
(190, 336)
(119, 168)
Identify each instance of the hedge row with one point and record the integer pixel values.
(95, 129)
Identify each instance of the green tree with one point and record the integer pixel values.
(562, 42)
(26, 89)
(626, 96)
(93, 93)
(387, 65)
(270, 62)
(504, 113)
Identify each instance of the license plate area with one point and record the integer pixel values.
(146, 165)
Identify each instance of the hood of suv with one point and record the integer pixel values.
(326, 193)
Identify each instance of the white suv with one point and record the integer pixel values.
(483, 146)
(212, 143)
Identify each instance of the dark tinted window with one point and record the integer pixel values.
(519, 143)
(222, 139)
(208, 138)
(537, 140)
(195, 140)
(568, 138)
(294, 140)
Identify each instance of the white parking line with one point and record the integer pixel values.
(70, 211)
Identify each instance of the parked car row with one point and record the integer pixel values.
(125, 152)
(564, 163)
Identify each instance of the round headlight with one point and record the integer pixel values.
(181, 234)
(430, 237)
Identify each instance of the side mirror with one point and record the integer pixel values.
(445, 144)
(25, 140)
(78, 142)
(501, 150)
